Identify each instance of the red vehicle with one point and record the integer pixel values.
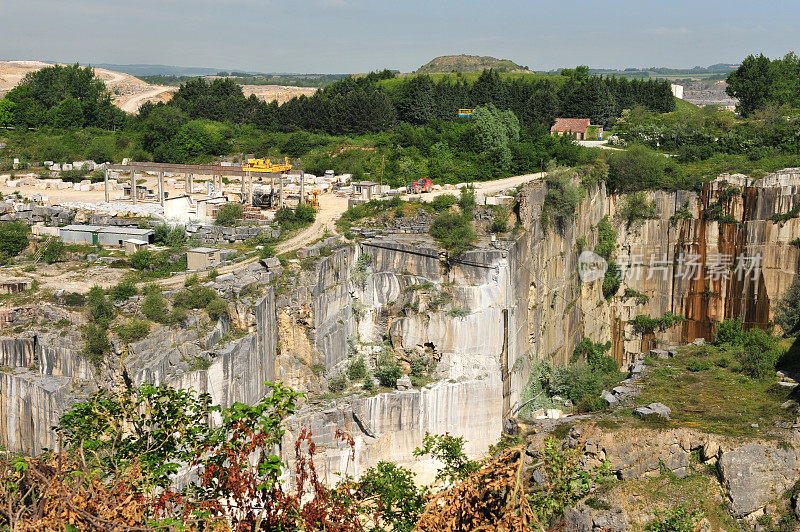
(417, 187)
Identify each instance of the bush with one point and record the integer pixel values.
(368, 384)
(304, 214)
(698, 365)
(467, 203)
(606, 239)
(678, 519)
(195, 297)
(53, 251)
(123, 290)
(499, 222)
(97, 344)
(400, 500)
(453, 232)
(229, 214)
(787, 314)
(611, 280)
(155, 307)
(101, 311)
(133, 330)
(338, 383)
(644, 324)
(357, 369)
(636, 208)
(443, 202)
(142, 259)
(562, 197)
(730, 332)
(388, 370)
(217, 309)
(172, 237)
(13, 239)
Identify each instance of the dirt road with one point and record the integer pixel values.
(131, 103)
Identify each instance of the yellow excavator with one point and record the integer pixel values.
(266, 166)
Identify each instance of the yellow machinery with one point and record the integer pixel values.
(465, 113)
(312, 198)
(266, 166)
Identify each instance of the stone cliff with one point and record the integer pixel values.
(483, 318)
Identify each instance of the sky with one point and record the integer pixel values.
(348, 36)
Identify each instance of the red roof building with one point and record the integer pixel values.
(571, 126)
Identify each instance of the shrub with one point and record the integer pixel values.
(101, 311)
(467, 203)
(13, 239)
(155, 307)
(392, 486)
(304, 214)
(644, 324)
(229, 214)
(729, 332)
(606, 238)
(499, 222)
(195, 297)
(53, 251)
(450, 451)
(698, 365)
(173, 237)
(217, 309)
(388, 370)
(97, 344)
(368, 384)
(358, 273)
(636, 208)
(213, 274)
(443, 202)
(787, 314)
(192, 280)
(582, 384)
(562, 197)
(677, 519)
(133, 330)
(611, 280)
(357, 369)
(453, 232)
(142, 259)
(338, 383)
(123, 290)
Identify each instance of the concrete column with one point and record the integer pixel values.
(271, 189)
(280, 191)
(189, 183)
(105, 181)
(244, 187)
(134, 195)
(302, 187)
(161, 188)
(249, 188)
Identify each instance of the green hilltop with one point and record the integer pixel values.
(468, 63)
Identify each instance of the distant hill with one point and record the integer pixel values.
(468, 63)
(158, 70)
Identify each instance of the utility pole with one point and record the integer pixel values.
(383, 159)
(302, 187)
(134, 192)
(105, 180)
(161, 188)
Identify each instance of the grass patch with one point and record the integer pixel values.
(707, 397)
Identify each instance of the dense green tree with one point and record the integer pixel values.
(496, 130)
(760, 82)
(7, 115)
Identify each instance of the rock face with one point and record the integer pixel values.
(755, 473)
(582, 518)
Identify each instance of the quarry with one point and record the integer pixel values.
(481, 321)
(472, 297)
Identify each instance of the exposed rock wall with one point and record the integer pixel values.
(555, 310)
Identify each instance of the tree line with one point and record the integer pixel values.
(760, 82)
(62, 97)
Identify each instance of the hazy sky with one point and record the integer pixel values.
(343, 36)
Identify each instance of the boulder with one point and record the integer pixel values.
(659, 354)
(755, 473)
(404, 383)
(658, 409)
(610, 399)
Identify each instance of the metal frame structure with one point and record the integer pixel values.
(189, 171)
